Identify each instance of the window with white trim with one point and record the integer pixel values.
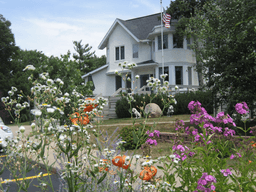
(177, 41)
(120, 55)
(165, 40)
(178, 75)
(135, 51)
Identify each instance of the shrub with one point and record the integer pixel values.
(127, 136)
(183, 99)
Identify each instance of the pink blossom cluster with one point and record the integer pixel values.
(179, 125)
(200, 115)
(205, 183)
(232, 156)
(184, 151)
(153, 134)
(242, 108)
(226, 172)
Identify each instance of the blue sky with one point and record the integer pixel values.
(51, 26)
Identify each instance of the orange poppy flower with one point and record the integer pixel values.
(146, 174)
(250, 161)
(152, 169)
(120, 162)
(254, 145)
(89, 107)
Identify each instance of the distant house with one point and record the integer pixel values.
(138, 40)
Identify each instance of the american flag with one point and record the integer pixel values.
(166, 19)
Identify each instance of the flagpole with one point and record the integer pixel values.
(162, 37)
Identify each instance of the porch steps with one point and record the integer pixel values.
(112, 107)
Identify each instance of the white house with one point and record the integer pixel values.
(138, 40)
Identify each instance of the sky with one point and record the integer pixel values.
(51, 26)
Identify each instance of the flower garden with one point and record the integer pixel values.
(63, 123)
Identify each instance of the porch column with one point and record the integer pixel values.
(172, 75)
(123, 82)
(157, 72)
(132, 80)
(185, 75)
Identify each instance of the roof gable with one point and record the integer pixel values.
(138, 28)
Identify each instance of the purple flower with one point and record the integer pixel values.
(242, 108)
(226, 172)
(232, 156)
(151, 141)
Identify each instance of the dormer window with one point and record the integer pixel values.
(120, 53)
(165, 40)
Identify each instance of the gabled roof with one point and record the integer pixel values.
(138, 28)
(95, 71)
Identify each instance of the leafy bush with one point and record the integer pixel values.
(127, 136)
(183, 99)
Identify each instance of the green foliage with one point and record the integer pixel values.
(127, 136)
(225, 49)
(183, 99)
(8, 50)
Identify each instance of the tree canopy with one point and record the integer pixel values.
(225, 42)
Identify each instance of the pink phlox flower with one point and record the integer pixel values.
(239, 154)
(181, 148)
(228, 132)
(151, 141)
(232, 156)
(226, 172)
(242, 108)
(187, 131)
(156, 132)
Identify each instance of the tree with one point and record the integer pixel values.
(225, 48)
(183, 10)
(8, 49)
(83, 56)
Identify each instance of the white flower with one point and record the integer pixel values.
(116, 182)
(33, 125)
(120, 142)
(147, 163)
(172, 156)
(49, 82)
(50, 110)
(96, 165)
(116, 72)
(14, 89)
(137, 156)
(38, 113)
(176, 87)
(10, 93)
(66, 94)
(29, 67)
(22, 129)
(137, 76)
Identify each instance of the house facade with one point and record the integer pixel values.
(138, 41)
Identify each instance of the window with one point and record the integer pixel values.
(166, 71)
(177, 41)
(165, 45)
(118, 82)
(90, 80)
(178, 75)
(135, 50)
(189, 76)
(120, 53)
(188, 43)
